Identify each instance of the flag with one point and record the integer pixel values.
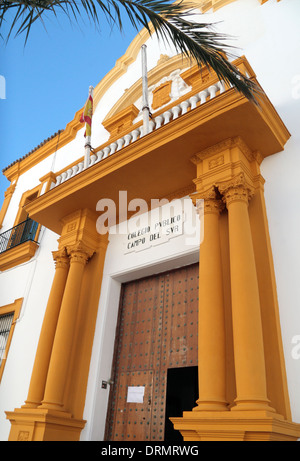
(86, 116)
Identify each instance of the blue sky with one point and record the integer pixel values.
(47, 80)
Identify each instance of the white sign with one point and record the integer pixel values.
(135, 394)
(153, 229)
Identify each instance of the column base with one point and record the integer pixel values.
(43, 425)
(30, 404)
(211, 405)
(252, 404)
(235, 426)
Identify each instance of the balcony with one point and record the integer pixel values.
(159, 164)
(18, 244)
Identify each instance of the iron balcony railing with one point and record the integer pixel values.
(21, 233)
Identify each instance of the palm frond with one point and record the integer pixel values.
(174, 23)
(196, 40)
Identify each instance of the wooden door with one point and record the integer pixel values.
(157, 330)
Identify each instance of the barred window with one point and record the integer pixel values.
(8, 317)
(5, 326)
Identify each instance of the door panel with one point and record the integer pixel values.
(133, 420)
(157, 330)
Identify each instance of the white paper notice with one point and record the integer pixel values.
(135, 394)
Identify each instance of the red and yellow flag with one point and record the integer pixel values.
(86, 116)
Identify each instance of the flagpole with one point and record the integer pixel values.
(88, 138)
(145, 102)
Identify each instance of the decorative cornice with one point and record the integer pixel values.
(229, 143)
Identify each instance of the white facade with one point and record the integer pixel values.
(269, 36)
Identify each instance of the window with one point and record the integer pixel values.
(8, 316)
(22, 239)
(21, 233)
(5, 326)
(27, 198)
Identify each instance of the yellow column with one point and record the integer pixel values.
(61, 352)
(211, 324)
(42, 359)
(246, 317)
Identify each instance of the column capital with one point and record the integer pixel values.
(236, 189)
(208, 202)
(79, 252)
(61, 258)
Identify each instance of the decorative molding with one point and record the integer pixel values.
(207, 201)
(79, 226)
(121, 122)
(17, 255)
(161, 95)
(25, 199)
(216, 162)
(236, 189)
(79, 253)
(162, 59)
(47, 180)
(229, 143)
(7, 197)
(162, 71)
(72, 226)
(23, 436)
(61, 258)
(198, 77)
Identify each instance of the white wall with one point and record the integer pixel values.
(31, 281)
(269, 37)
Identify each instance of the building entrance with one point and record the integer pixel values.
(156, 332)
(182, 393)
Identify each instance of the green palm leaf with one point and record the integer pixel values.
(171, 22)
